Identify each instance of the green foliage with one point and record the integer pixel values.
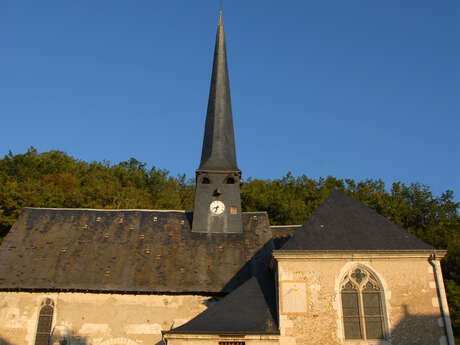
(54, 179)
(453, 297)
(451, 272)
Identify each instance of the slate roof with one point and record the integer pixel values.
(250, 309)
(343, 223)
(129, 251)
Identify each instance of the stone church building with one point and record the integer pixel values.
(217, 275)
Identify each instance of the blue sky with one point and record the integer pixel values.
(353, 89)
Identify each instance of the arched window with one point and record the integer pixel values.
(45, 320)
(362, 305)
(229, 180)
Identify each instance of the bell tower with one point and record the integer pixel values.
(218, 179)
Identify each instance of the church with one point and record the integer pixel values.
(217, 275)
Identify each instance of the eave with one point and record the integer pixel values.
(222, 335)
(281, 255)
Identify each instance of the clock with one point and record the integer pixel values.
(217, 207)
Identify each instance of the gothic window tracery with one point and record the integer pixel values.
(45, 320)
(362, 307)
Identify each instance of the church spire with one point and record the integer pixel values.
(218, 192)
(218, 152)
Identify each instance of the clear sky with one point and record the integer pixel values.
(358, 89)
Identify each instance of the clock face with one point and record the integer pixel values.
(217, 207)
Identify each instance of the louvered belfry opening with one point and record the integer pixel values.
(45, 321)
(362, 309)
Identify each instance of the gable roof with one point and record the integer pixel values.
(250, 309)
(129, 251)
(343, 223)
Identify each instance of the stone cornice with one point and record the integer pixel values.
(221, 337)
(358, 254)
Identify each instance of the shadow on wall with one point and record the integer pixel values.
(417, 329)
(63, 336)
(57, 339)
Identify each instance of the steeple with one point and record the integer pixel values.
(219, 142)
(218, 194)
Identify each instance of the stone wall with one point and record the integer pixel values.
(96, 319)
(310, 300)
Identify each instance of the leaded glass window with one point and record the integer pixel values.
(45, 320)
(362, 306)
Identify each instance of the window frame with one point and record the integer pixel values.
(359, 289)
(47, 310)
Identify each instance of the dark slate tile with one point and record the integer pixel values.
(250, 309)
(343, 223)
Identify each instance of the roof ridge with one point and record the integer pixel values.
(103, 209)
(123, 210)
(285, 226)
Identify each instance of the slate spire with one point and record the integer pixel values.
(218, 179)
(218, 152)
